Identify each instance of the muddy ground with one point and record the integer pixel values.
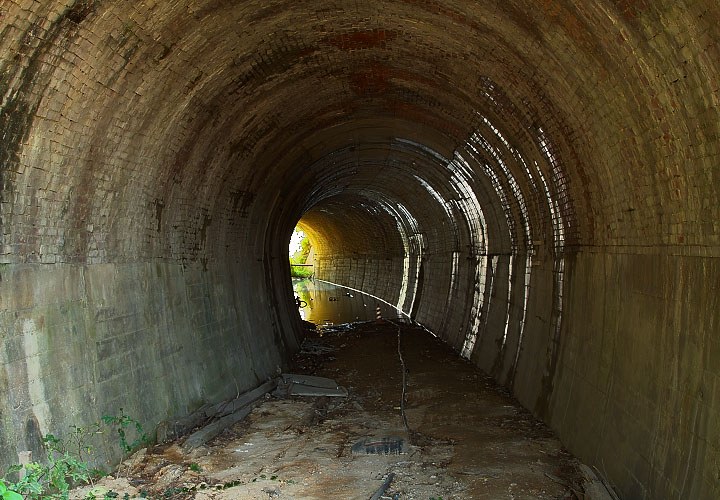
(469, 439)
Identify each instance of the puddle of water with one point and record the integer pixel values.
(325, 303)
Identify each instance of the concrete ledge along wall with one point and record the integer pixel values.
(536, 182)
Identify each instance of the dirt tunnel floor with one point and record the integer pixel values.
(473, 440)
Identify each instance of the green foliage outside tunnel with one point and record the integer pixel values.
(300, 247)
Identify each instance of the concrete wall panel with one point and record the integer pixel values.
(637, 375)
(158, 340)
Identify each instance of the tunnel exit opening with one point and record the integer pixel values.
(300, 253)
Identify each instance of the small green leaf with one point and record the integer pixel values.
(11, 495)
(98, 491)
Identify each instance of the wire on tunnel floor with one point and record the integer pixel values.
(404, 385)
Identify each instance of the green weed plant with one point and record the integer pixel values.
(67, 463)
(125, 423)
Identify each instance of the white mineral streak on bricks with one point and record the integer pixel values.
(33, 365)
(453, 275)
(475, 313)
(405, 280)
(509, 301)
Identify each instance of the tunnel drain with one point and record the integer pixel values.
(379, 446)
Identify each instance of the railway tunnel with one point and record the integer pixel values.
(536, 182)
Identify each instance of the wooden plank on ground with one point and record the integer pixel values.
(227, 407)
(238, 409)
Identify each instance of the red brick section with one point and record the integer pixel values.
(536, 181)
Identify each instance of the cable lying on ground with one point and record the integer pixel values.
(404, 384)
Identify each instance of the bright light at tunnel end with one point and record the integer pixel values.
(296, 241)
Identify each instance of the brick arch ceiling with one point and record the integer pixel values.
(214, 99)
(488, 148)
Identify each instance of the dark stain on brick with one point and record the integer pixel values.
(159, 205)
(240, 149)
(15, 120)
(126, 56)
(81, 10)
(33, 437)
(241, 201)
(193, 83)
(359, 40)
(207, 220)
(263, 68)
(165, 51)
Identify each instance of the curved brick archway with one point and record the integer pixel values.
(536, 182)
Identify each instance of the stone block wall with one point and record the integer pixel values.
(156, 339)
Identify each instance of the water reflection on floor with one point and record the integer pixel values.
(328, 303)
